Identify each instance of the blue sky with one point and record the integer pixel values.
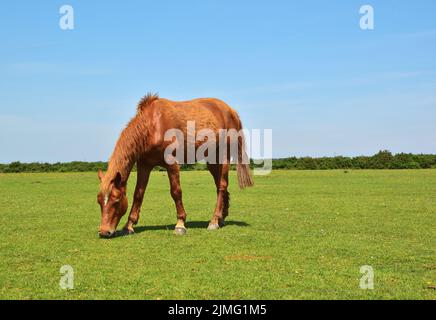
(304, 69)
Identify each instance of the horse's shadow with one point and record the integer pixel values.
(189, 225)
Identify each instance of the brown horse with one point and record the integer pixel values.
(144, 142)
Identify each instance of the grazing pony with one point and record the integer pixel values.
(144, 142)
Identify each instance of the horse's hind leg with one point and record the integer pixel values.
(220, 173)
(176, 194)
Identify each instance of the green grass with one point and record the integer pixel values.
(295, 235)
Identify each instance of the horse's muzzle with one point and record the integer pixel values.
(106, 234)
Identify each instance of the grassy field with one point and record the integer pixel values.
(295, 235)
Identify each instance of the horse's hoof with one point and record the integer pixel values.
(213, 226)
(221, 223)
(180, 231)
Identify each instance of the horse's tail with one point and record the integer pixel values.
(242, 166)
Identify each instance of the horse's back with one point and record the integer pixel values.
(164, 116)
(210, 113)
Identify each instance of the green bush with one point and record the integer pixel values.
(382, 160)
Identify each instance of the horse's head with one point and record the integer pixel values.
(113, 204)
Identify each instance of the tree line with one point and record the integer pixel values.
(382, 160)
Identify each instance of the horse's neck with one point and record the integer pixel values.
(129, 145)
(121, 165)
(122, 160)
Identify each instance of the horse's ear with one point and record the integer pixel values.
(117, 180)
(100, 174)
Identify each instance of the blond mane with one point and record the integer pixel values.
(147, 100)
(132, 141)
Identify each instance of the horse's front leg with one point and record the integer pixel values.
(176, 194)
(141, 184)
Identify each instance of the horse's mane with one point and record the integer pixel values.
(131, 142)
(147, 100)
